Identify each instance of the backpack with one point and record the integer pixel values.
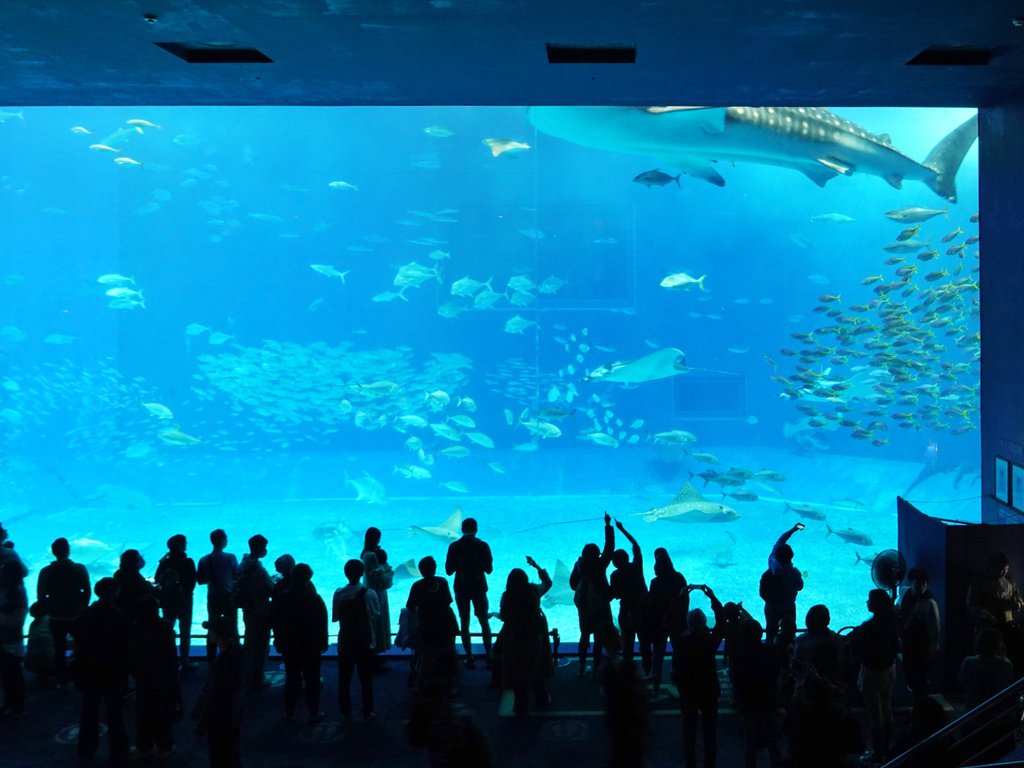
(240, 593)
(770, 587)
(355, 632)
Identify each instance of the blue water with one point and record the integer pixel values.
(301, 398)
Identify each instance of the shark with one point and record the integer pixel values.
(811, 140)
(449, 530)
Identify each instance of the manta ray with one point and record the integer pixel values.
(657, 365)
(449, 530)
(813, 141)
(689, 506)
(560, 593)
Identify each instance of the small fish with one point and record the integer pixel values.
(114, 279)
(439, 131)
(80, 129)
(216, 338)
(950, 235)
(342, 185)
(656, 178)
(838, 218)
(103, 148)
(159, 410)
(456, 486)
(139, 123)
(682, 281)
(126, 161)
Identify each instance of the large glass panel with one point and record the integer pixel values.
(304, 322)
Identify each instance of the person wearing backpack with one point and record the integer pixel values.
(779, 586)
(300, 635)
(63, 591)
(252, 594)
(175, 584)
(357, 611)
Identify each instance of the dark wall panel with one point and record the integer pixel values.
(1001, 150)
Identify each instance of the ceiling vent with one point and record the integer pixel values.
(952, 56)
(591, 54)
(215, 53)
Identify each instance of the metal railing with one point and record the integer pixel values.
(978, 737)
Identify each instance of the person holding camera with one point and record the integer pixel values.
(695, 673)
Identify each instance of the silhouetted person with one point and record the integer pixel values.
(100, 671)
(818, 724)
(668, 603)
(450, 736)
(13, 610)
(822, 648)
(300, 635)
(592, 595)
(356, 610)
(253, 588)
(63, 592)
(754, 672)
(695, 673)
(8, 555)
(875, 644)
(779, 588)
(469, 560)
(627, 705)
(919, 631)
(176, 585)
(378, 576)
(154, 665)
(628, 586)
(283, 567)
(526, 653)
(217, 571)
(132, 586)
(219, 709)
(993, 599)
(436, 624)
(988, 672)
(39, 656)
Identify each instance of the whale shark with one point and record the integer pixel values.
(811, 140)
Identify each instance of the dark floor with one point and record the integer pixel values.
(571, 733)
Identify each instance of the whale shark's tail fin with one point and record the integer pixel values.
(946, 157)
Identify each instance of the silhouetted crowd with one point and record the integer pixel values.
(791, 690)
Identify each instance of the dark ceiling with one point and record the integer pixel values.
(757, 52)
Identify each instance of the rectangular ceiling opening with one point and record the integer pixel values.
(591, 54)
(215, 54)
(952, 56)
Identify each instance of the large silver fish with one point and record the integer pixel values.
(810, 140)
(689, 506)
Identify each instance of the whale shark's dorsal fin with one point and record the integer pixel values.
(687, 493)
(453, 522)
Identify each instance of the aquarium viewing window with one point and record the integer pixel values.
(301, 322)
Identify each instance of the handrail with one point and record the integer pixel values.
(975, 733)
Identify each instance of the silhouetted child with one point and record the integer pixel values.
(39, 651)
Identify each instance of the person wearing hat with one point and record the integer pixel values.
(219, 709)
(919, 630)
